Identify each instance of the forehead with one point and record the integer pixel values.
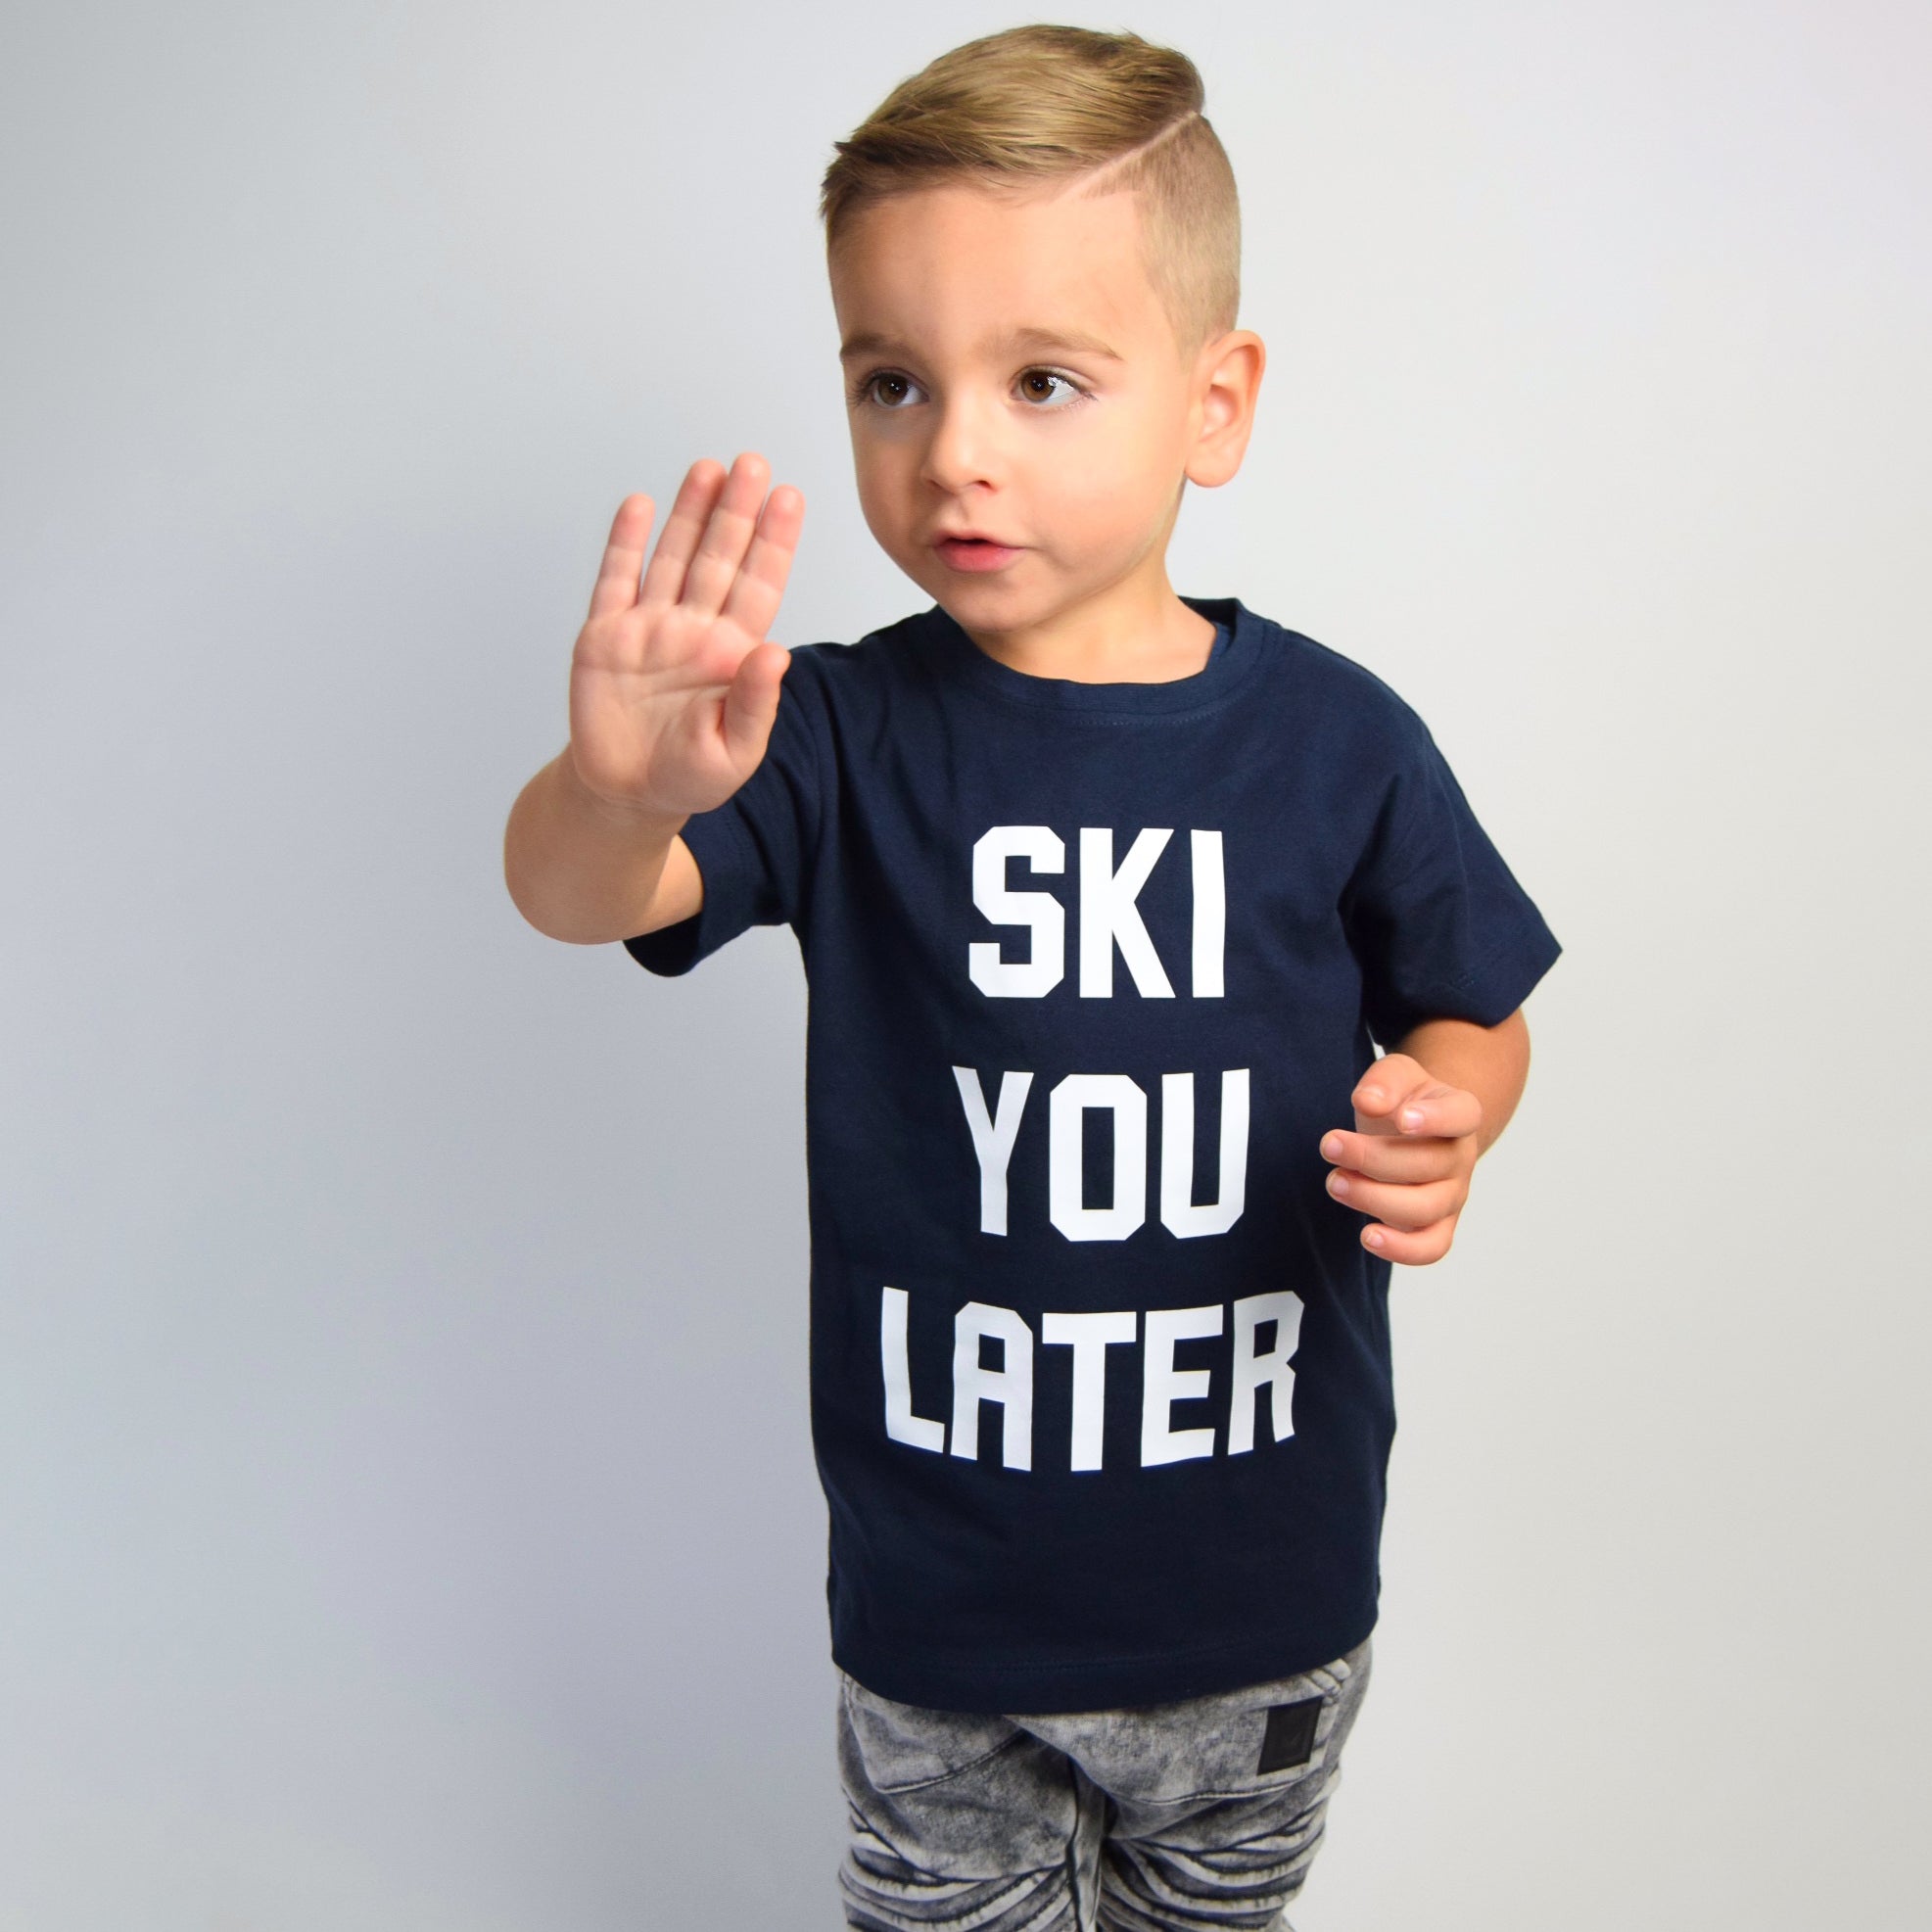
(957, 264)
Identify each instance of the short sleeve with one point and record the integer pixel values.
(753, 851)
(1437, 920)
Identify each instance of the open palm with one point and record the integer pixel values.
(673, 686)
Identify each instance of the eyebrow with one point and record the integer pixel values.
(870, 342)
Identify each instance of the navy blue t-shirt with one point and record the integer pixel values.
(1100, 1385)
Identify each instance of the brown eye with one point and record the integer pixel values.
(1046, 386)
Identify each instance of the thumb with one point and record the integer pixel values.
(751, 702)
(1383, 1089)
(1388, 1082)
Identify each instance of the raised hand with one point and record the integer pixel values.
(673, 686)
(1407, 1165)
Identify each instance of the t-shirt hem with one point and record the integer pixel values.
(1509, 971)
(1116, 1684)
(1486, 995)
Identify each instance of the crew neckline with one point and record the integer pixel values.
(1226, 670)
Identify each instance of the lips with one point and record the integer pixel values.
(971, 551)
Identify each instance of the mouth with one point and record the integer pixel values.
(974, 553)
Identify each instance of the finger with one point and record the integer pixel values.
(1407, 1158)
(616, 587)
(755, 591)
(664, 581)
(1387, 1083)
(751, 701)
(726, 535)
(1394, 1203)
(1412, 1247)
(1439, 1109)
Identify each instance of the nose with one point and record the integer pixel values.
(964, 449)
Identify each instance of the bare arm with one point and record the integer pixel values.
(673, 692)
(582, 869)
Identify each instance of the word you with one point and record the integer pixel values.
(994, 1131)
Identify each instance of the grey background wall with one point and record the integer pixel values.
(407, 1515)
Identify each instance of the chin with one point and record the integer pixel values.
(985, 607)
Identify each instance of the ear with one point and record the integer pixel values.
(1227, 382)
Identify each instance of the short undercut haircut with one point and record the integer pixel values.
(1016, 110)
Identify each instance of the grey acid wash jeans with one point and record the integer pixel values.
(1162, 1817)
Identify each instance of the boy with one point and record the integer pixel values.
(1104, 896)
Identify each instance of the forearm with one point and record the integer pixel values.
(1492, 1063)
(578, 868)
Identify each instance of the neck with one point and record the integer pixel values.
(1135, 631)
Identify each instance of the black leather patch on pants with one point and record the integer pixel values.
(1291, 1735)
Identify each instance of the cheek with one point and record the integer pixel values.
(1109, 485)
(881, 469)
(871, 467)
(1126, 448)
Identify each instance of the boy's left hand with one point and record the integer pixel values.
(1407, 1165)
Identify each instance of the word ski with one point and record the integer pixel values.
(1260, 1364)
(1110, 918)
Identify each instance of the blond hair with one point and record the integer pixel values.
(1036, 103)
